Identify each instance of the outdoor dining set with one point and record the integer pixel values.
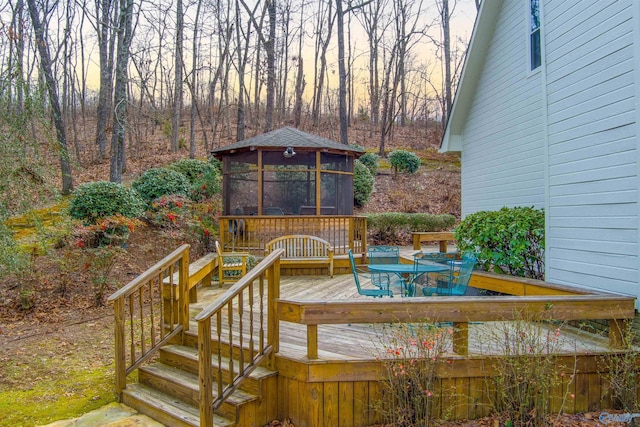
(430, 274)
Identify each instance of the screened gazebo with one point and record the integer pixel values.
(287, 172)
(278, 182)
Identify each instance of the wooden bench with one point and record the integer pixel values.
(442, 237)
(302, 251)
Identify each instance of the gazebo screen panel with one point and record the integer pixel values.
(287, 189)
(288, 183)
(336, 194)
(241, 184)
(336, 162)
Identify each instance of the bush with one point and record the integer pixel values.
(403, 161)
(191, 168)
(203, 177)
(370, 160)
(158, 182)
(394, 227)
(216, 164)
(100, 199)
(362, 184)
(508, 241)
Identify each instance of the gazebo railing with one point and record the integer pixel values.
(251, 233)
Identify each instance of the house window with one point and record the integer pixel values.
(534, 34)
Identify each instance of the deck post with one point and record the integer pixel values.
(204, 372)
(273, 293)
(312, 342)
(618, 329)
(183, 290)
(120, 357)
(461, 338)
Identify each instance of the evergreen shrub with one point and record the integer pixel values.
(508, 241)
(95, 200)
(204, 177)
(404, 161)
(158, 182)
(395, 227)
(362, 184)
(370, 160)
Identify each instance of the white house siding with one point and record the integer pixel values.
(503, 155)
(592, 238)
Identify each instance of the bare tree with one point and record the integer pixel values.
(125, 34)
(177, 97)
(342, 74)
(58, 120)
(300, 82)
(323, 37)
(371, 17)
(106, 45)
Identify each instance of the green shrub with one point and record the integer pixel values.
(216, 164)
(394, 227)
(94, 200)
(403, 161)
(362, 184)
(204, 177)
(370, 160)
(508, 241)
(158, 182)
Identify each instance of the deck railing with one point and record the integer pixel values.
(148, 314)
(618, 309)
(257, 333)
(251, 233)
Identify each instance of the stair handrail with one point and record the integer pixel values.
(153, 317)
(269, 267)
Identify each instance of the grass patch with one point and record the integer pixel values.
(49, 380)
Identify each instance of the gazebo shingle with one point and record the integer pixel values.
(286, 137)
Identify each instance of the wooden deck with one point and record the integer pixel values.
(342, 384)
(324, 343)
(358, 342)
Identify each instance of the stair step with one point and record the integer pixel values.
(166, 409)
(186, 358)
(185, 386)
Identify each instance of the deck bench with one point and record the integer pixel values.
(199, 271)
(442, 237)
(302, 251)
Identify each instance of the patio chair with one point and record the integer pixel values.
(377, 292)
(456, 280)
(430, 258)
(383, 254)
(231, 265)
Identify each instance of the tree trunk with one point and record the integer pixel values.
(58, 120)
(105, 54)
(447, 60)
(192, 88)
(342, 77)
(120, 93)
(177, 97)
(270, 47)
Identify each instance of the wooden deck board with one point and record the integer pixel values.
(344, 342)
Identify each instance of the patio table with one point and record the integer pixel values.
(410, 270)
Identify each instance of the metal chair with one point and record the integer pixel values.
(376, 293)
(383, 254)
(422, 258)
(456, 280)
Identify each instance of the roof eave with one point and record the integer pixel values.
(471, 71)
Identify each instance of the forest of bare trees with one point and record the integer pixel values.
(208, 71)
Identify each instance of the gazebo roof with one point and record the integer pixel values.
(287, 137)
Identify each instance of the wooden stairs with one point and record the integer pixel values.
(168, 390)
